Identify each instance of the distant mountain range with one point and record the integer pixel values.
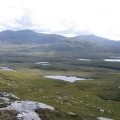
(28, 36)
(84, 45)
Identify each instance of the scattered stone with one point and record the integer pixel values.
(102, 110)
(7, 98)
(103, 118)
(8, 95)
(81, 101)
(71, 113)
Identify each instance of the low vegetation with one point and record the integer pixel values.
(8, 115)
(88, 99)
(59, 115)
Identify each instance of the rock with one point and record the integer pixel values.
(8, 95)
(102, 110)
(71, 113)
(27, 115)
(26, 109)
(103, 118)
(21, 106)
(7, 98)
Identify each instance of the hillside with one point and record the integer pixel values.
(96, 45)
(79, 46)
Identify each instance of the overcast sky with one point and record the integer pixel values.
(65, 17)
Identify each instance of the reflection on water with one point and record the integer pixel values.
(65, 78)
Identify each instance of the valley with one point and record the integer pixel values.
(24, 65)
(98, 97)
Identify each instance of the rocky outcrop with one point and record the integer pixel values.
(25, 109)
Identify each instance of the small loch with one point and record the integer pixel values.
(42, 63)
(65, 78)
(112, 60)
(6, 69)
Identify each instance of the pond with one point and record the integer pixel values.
(112, 60)
(42, 63)
(65, 78)
(6, 69)
(86, 60)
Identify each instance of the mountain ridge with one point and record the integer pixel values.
(79, 45)
(32, 31)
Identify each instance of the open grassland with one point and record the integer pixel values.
(99, 96)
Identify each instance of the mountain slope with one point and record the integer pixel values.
(92, 43)
(85, 45)
(28, 36)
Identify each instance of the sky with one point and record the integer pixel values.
(64, 17)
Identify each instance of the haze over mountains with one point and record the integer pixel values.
(84, 45)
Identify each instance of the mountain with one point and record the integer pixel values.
(92, 43)
(85, 45)
(27, 36)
